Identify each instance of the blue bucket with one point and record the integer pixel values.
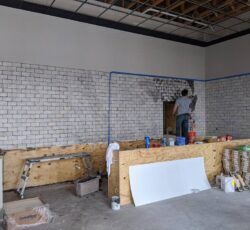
(147, 142)
(180, 141)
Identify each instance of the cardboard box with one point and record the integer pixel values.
(26, 213)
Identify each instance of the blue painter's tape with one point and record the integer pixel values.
(156, 76)
(229, 77)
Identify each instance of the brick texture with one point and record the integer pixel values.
(228, 107)
(46, 105)
(43, 106)
(137, 105)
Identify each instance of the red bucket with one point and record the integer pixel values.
(191, 137)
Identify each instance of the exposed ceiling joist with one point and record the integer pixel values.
(176, 4)
(190, 21)
(194, 7)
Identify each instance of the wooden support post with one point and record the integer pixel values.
(113, 179)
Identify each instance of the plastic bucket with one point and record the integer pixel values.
(180, 141)
(227, 184)
(171, 141)
(147, 142)
(191, 137)
(115, 203)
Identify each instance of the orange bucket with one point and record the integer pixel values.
(191, 137)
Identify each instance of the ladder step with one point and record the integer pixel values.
(24, 177)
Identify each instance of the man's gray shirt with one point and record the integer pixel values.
(183, 104)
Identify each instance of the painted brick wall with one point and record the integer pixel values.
(45, 105)
(135, 108)
(200, 111)
(137, 105)
(228, 107)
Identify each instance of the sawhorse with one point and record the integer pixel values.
(31, 161)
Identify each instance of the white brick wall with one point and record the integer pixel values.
(43, 105)
(137, 105)
(228, 107)
(200, 111)
(46, 105)
(136, 108)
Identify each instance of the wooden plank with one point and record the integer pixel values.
(211, 152)
(113, 179)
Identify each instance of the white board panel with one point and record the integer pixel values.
(163, 180)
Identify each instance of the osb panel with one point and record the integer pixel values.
(113, 179)
(212, 154)
(129, 145)
(56, 171)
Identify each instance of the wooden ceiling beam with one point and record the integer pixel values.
(183, 7)
(233, 12)
(194, 7)
(209, 12)
(176, 4)
(232, 6)
(131, 4)
(167, 3)
(157, 2)
(214, 3)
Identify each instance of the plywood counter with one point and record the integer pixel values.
(118, 182)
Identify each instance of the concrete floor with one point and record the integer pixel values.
(212, 209)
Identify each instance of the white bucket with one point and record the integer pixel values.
(115, 202)
(227, 184)
(171, 141)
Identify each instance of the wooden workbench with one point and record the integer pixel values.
(118, 182)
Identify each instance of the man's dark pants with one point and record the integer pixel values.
(182, 126)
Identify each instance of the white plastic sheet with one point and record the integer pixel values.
(109, 155)
(163, 180)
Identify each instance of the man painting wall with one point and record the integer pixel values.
(182, 109)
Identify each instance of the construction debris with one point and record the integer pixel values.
(236, 163)
(23, 214)
(236, 160)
